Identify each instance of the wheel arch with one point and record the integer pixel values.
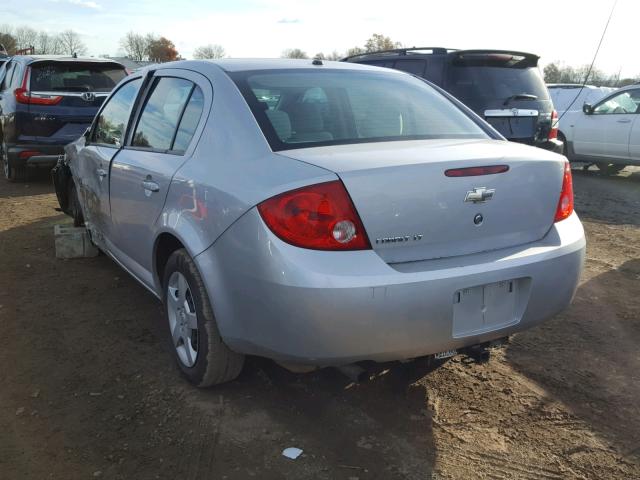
(166, 243)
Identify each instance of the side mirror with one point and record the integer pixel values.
(587, 108)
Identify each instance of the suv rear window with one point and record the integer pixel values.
(492, 79)
(304, 108)
(75, 77)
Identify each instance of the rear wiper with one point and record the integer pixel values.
(520, 96)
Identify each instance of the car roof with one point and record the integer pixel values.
(431, 51)
(248, 64)
(63, 58)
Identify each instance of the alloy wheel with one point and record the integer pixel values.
(183, 320)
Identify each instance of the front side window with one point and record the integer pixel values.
(114, 117)
(625, 102)
(341, 107)
(161, 113)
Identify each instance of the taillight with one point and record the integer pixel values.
(565, 204)
(553, 131)
(23, 95)
(28, 154)
(319, 217)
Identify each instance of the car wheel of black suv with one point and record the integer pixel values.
(200, 352)
(11, 173)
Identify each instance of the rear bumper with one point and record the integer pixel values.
(47, 155)
(329, 308)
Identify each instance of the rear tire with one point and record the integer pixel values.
(607, 168)
(200, 352)
(11, 173)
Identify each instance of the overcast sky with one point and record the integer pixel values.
(566, 30)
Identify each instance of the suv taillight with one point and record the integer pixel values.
(23, 95)
(319, 217)
(553, 131)
(565, 204)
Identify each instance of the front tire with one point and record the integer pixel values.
(200, 352)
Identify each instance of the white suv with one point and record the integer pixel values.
(606, 133)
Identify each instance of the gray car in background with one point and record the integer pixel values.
(322, 214)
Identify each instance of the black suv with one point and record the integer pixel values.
(47, 102)
(505, 88)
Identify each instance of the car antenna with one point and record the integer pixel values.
(586, 77)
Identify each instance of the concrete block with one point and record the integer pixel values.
(73, 242)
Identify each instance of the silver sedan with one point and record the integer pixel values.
(322, 213)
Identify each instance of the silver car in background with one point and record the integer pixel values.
(322, 214)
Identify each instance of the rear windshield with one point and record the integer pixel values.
(479, 84)
(74, 77)
(303, 108)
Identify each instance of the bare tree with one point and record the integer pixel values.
(335, 55)
(48, 44)
(71, 43)
(294, 53)
(7, 39)
(135, 46)
(25, 37)
(209, 51)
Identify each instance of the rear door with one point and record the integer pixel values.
(65, 96)
(160, 142)
(92, 169)
(505, 89)
(607, 131)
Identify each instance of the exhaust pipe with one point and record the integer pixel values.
(353, 372)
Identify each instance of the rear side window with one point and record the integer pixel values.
(74, 77)
(114, 117)
(189, 121)
(161, 113)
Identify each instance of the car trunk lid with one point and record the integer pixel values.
(412, 211)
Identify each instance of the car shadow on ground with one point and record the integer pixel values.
(587, 357)
(38, 183)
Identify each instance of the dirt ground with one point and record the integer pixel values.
(88, 388)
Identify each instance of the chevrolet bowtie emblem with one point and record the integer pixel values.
(479, 194)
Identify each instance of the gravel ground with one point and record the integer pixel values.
(89, 390)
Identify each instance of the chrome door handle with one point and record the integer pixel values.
(151, 186)
(626, 120)
(101, 172)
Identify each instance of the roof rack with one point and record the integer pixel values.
(401, 51)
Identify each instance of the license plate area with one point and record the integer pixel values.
(485, 308)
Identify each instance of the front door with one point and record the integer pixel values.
(92, 170)
(605, 133)
(141, 173)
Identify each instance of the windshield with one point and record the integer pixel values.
(302, 108)
(75, 77)
(484, 86)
